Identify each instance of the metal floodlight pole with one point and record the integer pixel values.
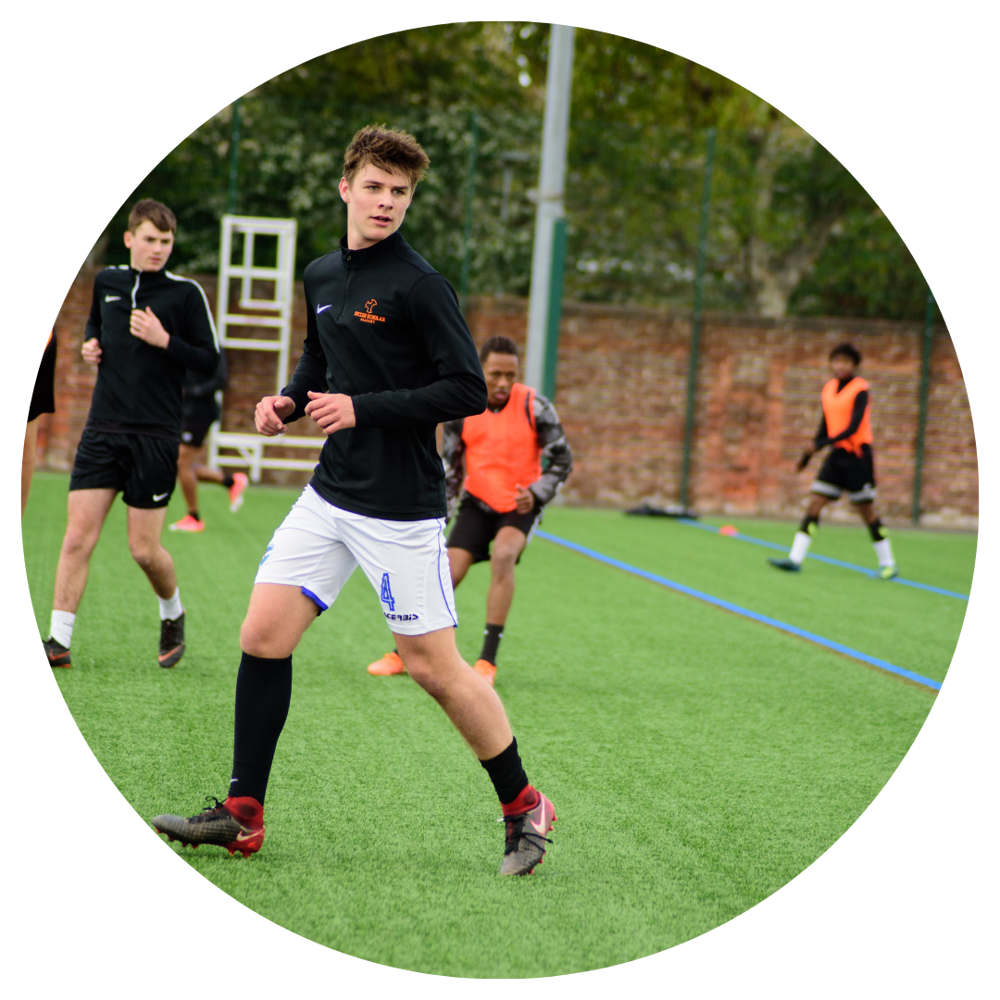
(551, 181)
(925, 380)
(234, 157)
(699, 282)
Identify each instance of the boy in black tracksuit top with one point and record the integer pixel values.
(384, 328)
(146, 327)
(387, 356)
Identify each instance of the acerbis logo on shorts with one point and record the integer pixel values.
(400, 618)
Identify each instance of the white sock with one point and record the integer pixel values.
(884, 552)
(171, 607)
(61, 628)
(800, 546)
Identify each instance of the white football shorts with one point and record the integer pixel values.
(318, 545)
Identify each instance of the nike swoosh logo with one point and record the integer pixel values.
(158, 496)
(111, 298)
(540, 827)
(320, 309)
(243, 835)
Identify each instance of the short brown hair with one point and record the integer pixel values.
(148, 210)
(497, 344)
(389, 149)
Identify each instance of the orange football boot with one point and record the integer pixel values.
(391, 663)
(236, 491)
(188, 523)
(486, 670)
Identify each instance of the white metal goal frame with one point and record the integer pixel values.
(260, 312)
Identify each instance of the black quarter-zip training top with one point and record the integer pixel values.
(139, 387)
(385, 329)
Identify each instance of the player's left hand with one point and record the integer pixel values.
(145, 325)
(525, 500)
(804, 460)
(333, 411)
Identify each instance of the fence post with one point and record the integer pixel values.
(699, 281)
(556, 276)
(234, 157)
(925, 380)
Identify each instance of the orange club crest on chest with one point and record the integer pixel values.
(369, 316)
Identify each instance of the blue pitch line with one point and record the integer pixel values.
(729, 606)
(826, 559)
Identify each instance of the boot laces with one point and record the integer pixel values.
(515, 831)
(210, 811)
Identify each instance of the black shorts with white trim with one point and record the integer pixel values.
(845, 472)
(475, 528)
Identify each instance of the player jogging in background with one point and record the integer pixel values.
(146, 327)
(498, 456)
(849, 467)
(201, 410)
(43, 400)
(387, 357)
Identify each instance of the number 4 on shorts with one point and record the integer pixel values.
(386, 595)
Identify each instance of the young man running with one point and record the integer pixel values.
(493, 454)
(146, 327)
(387, 357)
(200, 411)
(846, 425)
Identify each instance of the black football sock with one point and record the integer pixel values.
(809, 525)
(507, 774)
(491, 642)
(263, 694)
(228, 480)
(194, 514)
(875, 528)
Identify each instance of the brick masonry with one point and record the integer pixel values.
(621, 389)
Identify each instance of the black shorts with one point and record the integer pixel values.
(845, 472)
(474, 528)
(195, 422)
(142, 467)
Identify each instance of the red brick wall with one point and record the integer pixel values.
(620, 392)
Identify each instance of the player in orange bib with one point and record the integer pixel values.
(493, 474)
(846, 425)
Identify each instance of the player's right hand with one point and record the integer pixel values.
(91, 351)
(270, 413)
(804, 460)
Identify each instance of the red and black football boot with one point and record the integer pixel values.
(525, 841)
(236, 824)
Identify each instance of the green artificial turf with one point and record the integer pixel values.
(697, 760)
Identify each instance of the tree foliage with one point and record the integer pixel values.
(790, 228)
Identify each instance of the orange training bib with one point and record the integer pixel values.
(837, 408)
(501, 450)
